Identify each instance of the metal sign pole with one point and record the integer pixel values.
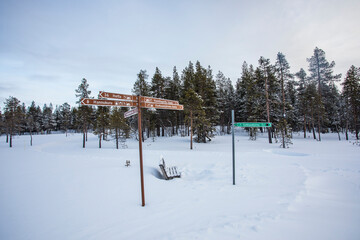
(141, 155)
(233, 143)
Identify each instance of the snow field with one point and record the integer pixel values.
(58, 190)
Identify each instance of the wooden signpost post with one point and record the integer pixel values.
(125, 100)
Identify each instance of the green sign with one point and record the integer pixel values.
(252, 124)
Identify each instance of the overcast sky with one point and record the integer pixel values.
(47, 47)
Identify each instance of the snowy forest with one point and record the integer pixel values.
(309, 102)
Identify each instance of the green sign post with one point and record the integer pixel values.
(242, 124)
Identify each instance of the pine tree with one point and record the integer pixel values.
(221, 98)
(351, 92)
(302, 104)
(225, 100)
(32, 117)
(283, 73)
(142, 88)
(266, 77)
(13, 116)
(157, 90)
(205, 86)
(1, 123)
(102, 123)
(119, 129)
(188, 78)
(321, 71)
(84, 112)
(48, 118)
(195, 114)
(173, 92)
(65, 113)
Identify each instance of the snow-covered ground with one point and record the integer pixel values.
(58, 190)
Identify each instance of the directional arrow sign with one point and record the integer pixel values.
(158, 100)
(162, 106)
(252, 124)
(103, 102)
(131, 112)
(124, 97)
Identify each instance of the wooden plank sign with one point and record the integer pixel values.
(131, 112)
(161, 106)
(158, 100)
(124, 97)
(104, 102)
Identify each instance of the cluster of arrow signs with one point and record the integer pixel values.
(125, 100)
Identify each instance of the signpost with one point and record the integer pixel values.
(125, 100)
(242, 124)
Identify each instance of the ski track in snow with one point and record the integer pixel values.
(57, 190)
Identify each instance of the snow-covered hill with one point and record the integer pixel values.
(58, 190)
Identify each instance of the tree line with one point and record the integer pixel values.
(308, 102)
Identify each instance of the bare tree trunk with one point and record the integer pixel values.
(10, 138)
(337, 130)
(100, 140)
(356, 126)
(117, 138)
(319, 128)
(84, 137)
(30, 138)
(267, 108)
(304, 125)
(312, 122)
(191, 134)
(319, 90)
(346, 130)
